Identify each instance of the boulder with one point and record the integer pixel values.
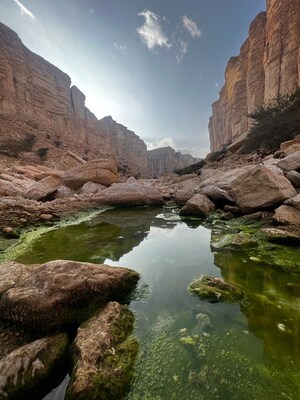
(12, 274)
(199, 205)
(235, 240)
(98, 171)
(9, 189)
(91, 187)
(294, 178)
(103, 356)
(129, 194)
(218, 196)
(43, 188)
(27, 369)
(182, 196)
(287, 215)
(281, 236)
(289, 163)
(63, 192)
(258, 187)
(294, 202)
(62, 292)
(215, 290)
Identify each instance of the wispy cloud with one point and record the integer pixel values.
(92, 11)
(25, 10)
(182, 49)
(121, 47)
(165, 142)
(151, 32)
(191, 27)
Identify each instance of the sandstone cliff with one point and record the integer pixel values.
(268, 65)
(39, 109)
(165, 160)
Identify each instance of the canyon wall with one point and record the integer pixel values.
(166, 160)
(38, 102)
(268, 65)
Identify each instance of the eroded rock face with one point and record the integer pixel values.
(103, 355)
(25, 370)
(165, 160)
(61, 292)
(268, 65)
(129, 194)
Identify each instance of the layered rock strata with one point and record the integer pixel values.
(268, 65)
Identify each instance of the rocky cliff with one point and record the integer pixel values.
(268, 65)
(39, 109)
(165, 160)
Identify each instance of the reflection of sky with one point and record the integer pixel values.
(163, 93)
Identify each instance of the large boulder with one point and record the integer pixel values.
(129, 194)
(99, 171)
(43, 188)
(294, 178)
(60, 293)
(27, 369)
(103, 356)
(12, 274)
(258, 187)
(182, 196)
(199, 205)
(291, 162)
(91, 188)
(218, 196)
(287, 215)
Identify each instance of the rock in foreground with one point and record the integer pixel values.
(199, 206)
(215, 290)
(61, 292)
(24, 371)
(103, 356)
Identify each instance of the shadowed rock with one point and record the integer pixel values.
(103, 355)
(199, 205)
(60, 293)
(24, 371)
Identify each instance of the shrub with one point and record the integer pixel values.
(57, 143)
(42, 152)
(13, 147)
(216, 155)
(274, 123)
(191, 169)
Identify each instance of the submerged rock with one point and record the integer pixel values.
(25, 371)
(60, 292)
(241, 239)
(103, 356)
(215, 290)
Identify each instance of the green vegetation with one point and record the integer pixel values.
(13, 147)
(42, 152)
(191, 169)
(274, 123)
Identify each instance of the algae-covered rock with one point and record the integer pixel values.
(26, 370)
(103, 355)
(241, 239)
(281, 236)
(215, 290)
(61, 292)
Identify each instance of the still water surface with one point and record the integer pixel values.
(191, 349)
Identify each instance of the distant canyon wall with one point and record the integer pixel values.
(268, 65)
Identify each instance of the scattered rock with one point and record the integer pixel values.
(199, 205)
(10, 233)
(60, 292)
(294, 202)
(291, 162)
(103, 356)
(182, 196)
(46, 217)
(218, 196)
(241, 239)
(129, 194)
(43, 188)
(26, 370)
(215, 290)
(91, 187)
(281, 236)
(287, 215)
(294, 178)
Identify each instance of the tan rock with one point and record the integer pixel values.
(287, 215)
(218, 196)
(129, 194)
(91, 187)
(43, 188)
(100, 349)
(103, 172)
(294, 178)
(181, 196)
(60, 292)
(199, 205)
(289, 163)
(294, 202)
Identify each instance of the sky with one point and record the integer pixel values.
(155, 66)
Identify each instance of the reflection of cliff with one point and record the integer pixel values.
(110, 235)
(271, 304)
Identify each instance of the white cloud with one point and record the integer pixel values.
(121, 47)
(151, 32)
(165, 142)
(183, 49)
(191, 27)
(25, 10)
(92, 11)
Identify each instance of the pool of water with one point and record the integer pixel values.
(191, 349)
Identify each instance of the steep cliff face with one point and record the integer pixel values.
(37, 101)
(165, 160)
(268, 65)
